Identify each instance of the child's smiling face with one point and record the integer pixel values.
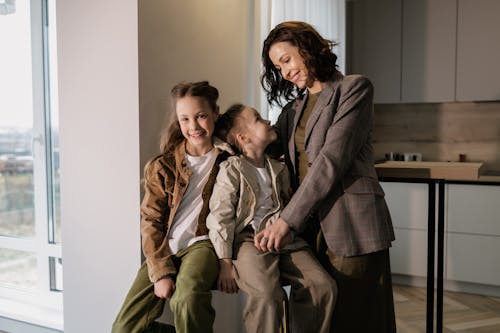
(197, 121)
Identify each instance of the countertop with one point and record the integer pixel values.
(449, 171)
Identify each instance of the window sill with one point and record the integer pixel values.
(31, 313)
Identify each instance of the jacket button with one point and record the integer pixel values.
(309, 164)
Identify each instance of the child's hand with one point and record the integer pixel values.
(165, 287)
(226, 281)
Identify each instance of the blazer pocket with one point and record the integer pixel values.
(362, 185)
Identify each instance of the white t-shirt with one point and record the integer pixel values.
(264, 202)
(182, 232)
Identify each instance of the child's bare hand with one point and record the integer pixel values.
(164, 288)
(226, 281)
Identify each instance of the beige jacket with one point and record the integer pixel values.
(166, 180)
(233, 201)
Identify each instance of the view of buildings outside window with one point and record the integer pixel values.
(29, 146)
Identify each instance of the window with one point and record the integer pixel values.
(30, 226)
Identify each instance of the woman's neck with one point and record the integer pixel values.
(315, 87)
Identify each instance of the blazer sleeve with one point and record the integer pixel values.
(154, 215)
(223, 202)
(344, 139)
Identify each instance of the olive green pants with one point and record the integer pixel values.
(198, 268)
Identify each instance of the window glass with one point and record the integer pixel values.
(18, 268)
(16, 124)
(30, 224)
(54, 121)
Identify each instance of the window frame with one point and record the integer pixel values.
(44, 296)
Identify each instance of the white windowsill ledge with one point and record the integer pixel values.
(31, 314)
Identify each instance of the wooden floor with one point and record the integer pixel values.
(464, 313)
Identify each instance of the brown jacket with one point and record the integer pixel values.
(341, 187)
(166, 180)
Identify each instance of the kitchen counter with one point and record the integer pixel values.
(456, 172)
(489, 179)
(431, 170)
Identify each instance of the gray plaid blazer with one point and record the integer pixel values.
(341, 187)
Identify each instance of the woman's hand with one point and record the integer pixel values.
(274, 237)
(226, 281)
(165, 287)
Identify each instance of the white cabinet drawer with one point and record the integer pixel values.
(409, 252)
(473, 209)
(408, 204)
(471, 258)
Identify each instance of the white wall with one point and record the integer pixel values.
(100, 168)
(100, 121)
(190, 40)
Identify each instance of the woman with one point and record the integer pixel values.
(325, 134)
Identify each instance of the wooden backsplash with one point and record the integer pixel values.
(440, 131)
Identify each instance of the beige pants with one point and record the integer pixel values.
(260, 275)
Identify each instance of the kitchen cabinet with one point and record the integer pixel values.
(428, 51)
(419, 51)
(478, 50)
(408, 206)
(473, 233)
(374, 45)
(406, 47)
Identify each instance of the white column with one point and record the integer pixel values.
(100, 167)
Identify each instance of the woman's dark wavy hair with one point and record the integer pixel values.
(227, 124)
(316, 51)
(173, 136)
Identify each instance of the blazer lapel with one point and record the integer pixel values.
(324, 99)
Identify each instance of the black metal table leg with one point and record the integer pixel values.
(431, 226)
(440, 257)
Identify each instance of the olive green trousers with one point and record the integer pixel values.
(198, 268)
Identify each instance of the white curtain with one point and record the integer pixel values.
(326, 16)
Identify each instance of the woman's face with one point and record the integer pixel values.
(287, 59)
(197, 121)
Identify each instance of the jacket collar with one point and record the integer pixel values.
(324, 99)
(180, 156)
(222, 146)
(272, 165)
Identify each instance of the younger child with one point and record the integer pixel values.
(248, 196)
(181, 264)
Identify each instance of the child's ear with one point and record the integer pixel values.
(241, 139)
(217, 111)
